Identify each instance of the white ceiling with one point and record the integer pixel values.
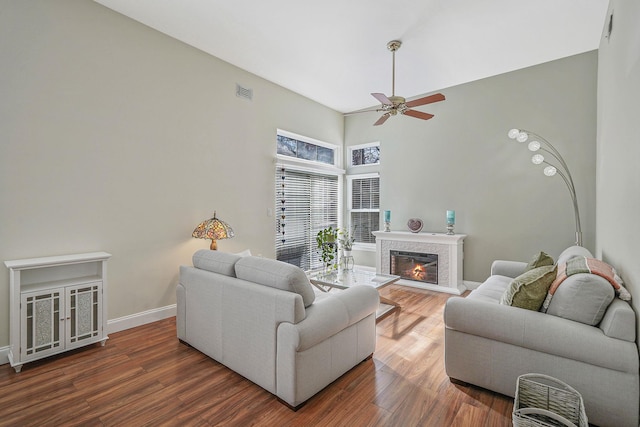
(334, 51)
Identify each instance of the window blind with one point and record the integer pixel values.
(306, 202)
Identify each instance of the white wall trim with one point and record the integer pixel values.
(4, 355)
(471, 285)
(120, 324)
(139, 319)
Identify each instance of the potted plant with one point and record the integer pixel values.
(326, 240)
(346, 240)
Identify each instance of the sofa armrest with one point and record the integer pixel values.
(540, 332)
(619, 321)
(328, 316)
(507, 268)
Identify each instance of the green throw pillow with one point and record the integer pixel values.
(539, 260)
(529, 290)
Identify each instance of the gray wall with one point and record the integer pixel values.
(462, 159)
(115, 137)
(618, 174)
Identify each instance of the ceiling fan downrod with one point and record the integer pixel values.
(393, 45)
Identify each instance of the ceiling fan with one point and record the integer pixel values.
(393, 104)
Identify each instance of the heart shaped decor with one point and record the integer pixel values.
(415, 225)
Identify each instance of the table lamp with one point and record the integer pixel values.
(213, 229)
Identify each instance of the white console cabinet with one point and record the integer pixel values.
(56, 304)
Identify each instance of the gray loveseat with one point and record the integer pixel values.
(489, 344)
(261, 318)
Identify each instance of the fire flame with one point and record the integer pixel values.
(419, 272)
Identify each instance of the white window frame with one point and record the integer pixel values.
(350, 178)
(359, 147)
(313, 165)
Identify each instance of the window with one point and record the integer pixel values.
(306, 202)
(364, 206)
(308, 196)
(289, 145)
(365, 154)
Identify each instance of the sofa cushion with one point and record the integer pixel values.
(276, 274)
(218, 262)
(583, 298)
(539, 260)
(529, 290)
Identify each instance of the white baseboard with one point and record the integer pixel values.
(139, 319)
(120, 324)
(471, 285)
(431, 287)
(4, 355)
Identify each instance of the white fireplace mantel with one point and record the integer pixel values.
(448, 247)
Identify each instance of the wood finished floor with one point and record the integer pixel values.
(144, 376)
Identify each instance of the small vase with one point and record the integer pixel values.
(346, 260)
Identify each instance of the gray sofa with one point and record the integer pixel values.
(489, 344)
(262, 319)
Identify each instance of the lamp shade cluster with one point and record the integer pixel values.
(538, 144)
(213, 229)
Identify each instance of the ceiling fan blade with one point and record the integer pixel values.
(382, 119)
(382, 98)
(418, 114)
(426, 100)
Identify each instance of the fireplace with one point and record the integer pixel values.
(437, 259)
(416, 266)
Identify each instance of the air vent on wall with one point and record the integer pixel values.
(242, 92)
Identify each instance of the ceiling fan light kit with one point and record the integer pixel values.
(393, 104)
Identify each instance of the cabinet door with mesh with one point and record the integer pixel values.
(84, 316)
(41, 319)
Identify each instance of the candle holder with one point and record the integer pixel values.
(450, 229)
(451, 220)
(387, 221)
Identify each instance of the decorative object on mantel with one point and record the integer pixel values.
(415, 225)
(387, 221)
(451, 220)
(536, 144)
(213, 229)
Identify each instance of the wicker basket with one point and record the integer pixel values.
(544, 401)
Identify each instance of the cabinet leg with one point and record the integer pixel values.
(103, 342)
(18, 368)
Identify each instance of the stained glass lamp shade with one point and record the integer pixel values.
(213, 229)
